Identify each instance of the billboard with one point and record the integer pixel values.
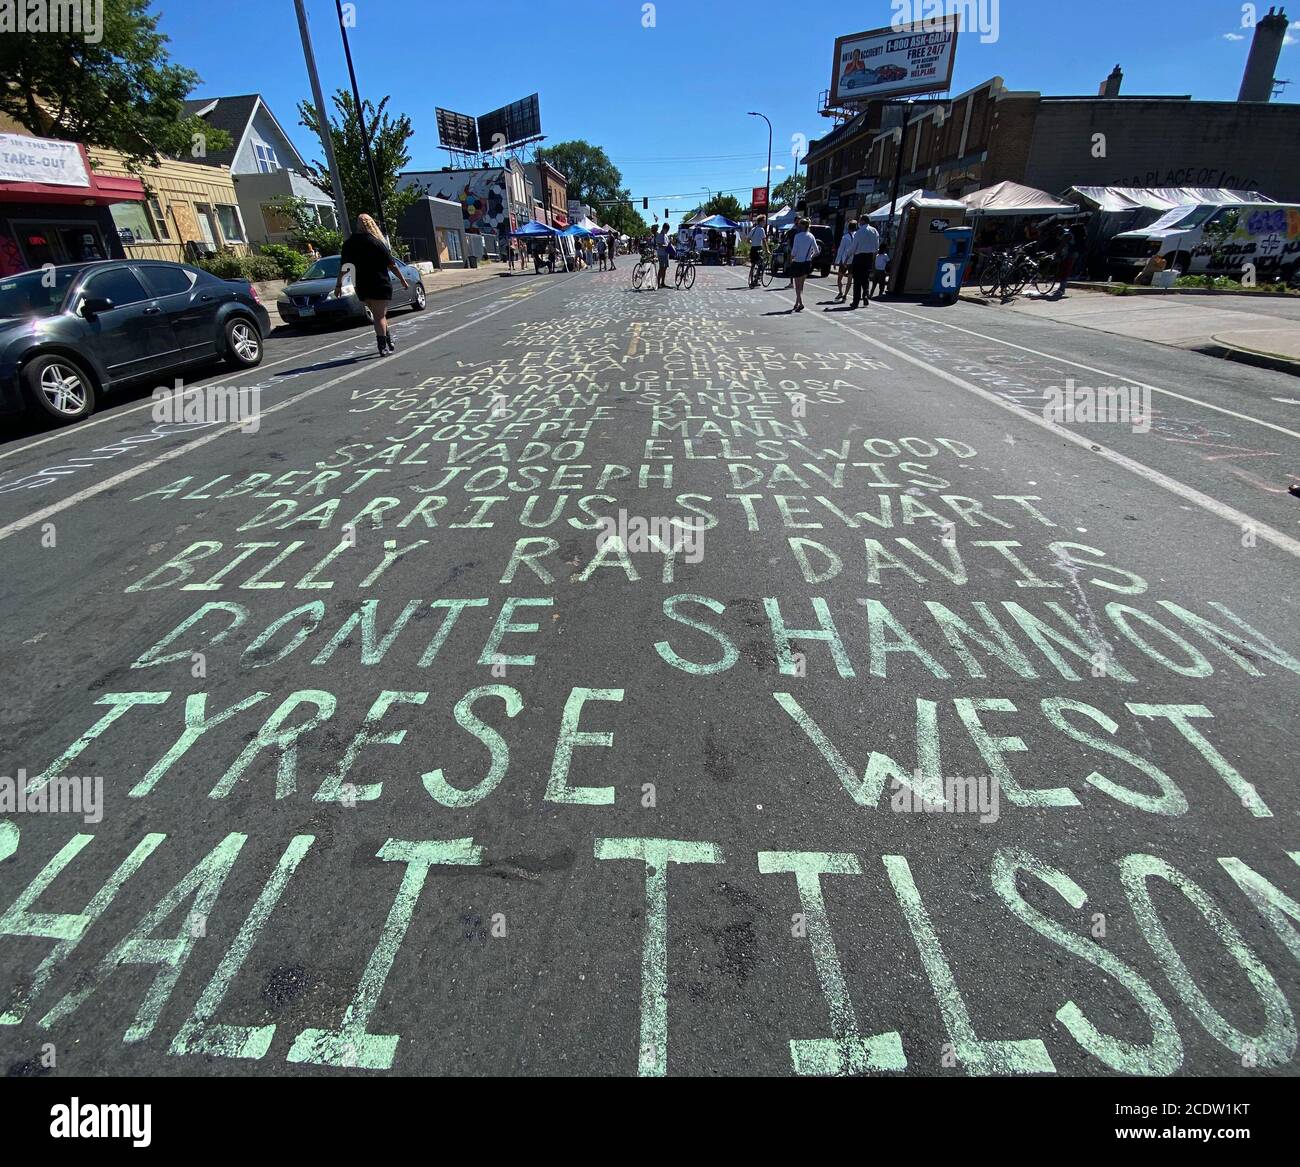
(516, 122)
(758, 200)
(457, 131)
(889, 62)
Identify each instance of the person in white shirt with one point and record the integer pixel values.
(881, 274)
(757, 242)
(866, 242)
(804, 248)
(699, 242)
(844, 260)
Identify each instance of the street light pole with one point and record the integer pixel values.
(361, 121)
(326, 138)
(767, 209)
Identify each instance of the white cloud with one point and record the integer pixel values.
(1233, 36)
(763, 169)
(1289, 39)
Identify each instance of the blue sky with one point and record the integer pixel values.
(668, 102)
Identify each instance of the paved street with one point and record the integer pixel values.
(614, 682)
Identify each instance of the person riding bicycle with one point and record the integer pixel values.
(757, 244)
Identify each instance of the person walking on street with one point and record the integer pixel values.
(367, 255)
(804, 248)
(663, 252)
(880, 276)
(613, 248)
(843, 261)
(600, 251)
(866, 242)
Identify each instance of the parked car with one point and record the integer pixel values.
(72, 332)
(311, 300)
(1215, 239)
(825, 240)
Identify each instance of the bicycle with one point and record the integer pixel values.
(645, 266)
(1009, 272)
(685, 277)
(760, 273)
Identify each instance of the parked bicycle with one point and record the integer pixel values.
(645, 270)
(685, 277)
(1007, 273)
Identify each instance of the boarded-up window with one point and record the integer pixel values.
(276, 220)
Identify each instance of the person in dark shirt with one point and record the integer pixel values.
(367, 257)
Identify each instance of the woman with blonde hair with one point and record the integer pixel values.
(367, 255)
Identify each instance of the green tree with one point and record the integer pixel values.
(120, 92)
(721, 204)
(388, 138)
(595, 180)
(788, 192)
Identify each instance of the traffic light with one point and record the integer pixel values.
(645, 204)
(665, 212)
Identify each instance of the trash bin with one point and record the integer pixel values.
(950, 271)
(472, 260)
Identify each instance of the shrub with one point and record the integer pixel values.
(227, 265)
(259, 268)
(290, 263)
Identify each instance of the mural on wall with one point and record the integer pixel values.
(482, 198)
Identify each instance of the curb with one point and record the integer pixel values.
(1245, 356)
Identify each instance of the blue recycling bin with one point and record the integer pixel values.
(950, 271)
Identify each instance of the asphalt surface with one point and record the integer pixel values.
(474, 784)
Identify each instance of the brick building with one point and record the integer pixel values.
(991, 133)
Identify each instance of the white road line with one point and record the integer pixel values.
(144, 467)
(1186, 493)
(1116, 377)
(80, 427)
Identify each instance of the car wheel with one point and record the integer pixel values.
(418, 300)
(59, 387)
(243, 342)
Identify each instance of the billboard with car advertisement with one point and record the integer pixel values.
(893, 62)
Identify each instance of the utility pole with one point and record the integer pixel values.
(361, 121)
(327, 139)
(898, 179)
(767, 210)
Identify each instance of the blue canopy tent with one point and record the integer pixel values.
(534, 228)
(574, 231)
(717, 223)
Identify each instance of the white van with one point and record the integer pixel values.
(1215, 239)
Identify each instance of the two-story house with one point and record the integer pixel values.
(264, 165)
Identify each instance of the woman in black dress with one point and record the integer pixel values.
(367, 256)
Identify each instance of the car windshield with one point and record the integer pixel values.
(35, 294)
(323, 269)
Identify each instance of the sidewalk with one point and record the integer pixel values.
(438, 280)
(1262, 330)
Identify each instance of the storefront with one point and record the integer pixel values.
(53, 207)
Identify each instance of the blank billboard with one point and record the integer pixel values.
(516, 122)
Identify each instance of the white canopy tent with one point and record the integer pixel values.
(1113, 209)
(882, 212)
(1011, 198)
(1119, 199)
(783, 218)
